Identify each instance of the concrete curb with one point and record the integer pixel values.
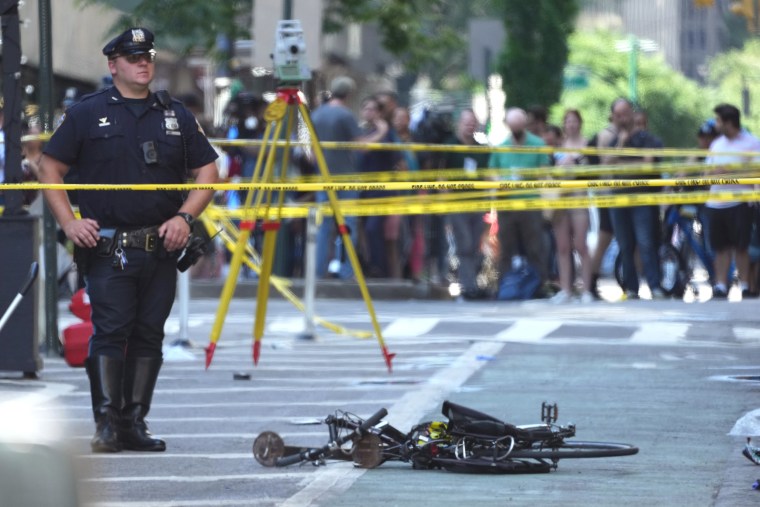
(330, 289)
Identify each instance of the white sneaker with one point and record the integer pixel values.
(561, 298)
(587, 297)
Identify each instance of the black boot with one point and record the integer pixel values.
(139, 380)
(105, 388)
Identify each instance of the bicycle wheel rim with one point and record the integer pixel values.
(578, 450)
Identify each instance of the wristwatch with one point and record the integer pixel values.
(187, 217)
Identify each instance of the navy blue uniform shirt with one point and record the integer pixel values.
(106, 141)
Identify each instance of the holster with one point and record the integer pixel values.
(105, 247)
(82, 258)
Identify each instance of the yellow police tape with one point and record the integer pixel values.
(459, 148)
(369, 208)
(397, 185)
(534, 172)
(455, 148)
(502, 195)
(546, 172)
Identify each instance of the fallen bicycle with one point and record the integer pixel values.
(470, 442)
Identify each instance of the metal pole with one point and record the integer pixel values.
(52, 343)
(310, 275)
(183, 294)
(287, 9)
(487, 65)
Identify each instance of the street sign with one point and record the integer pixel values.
(575, 78)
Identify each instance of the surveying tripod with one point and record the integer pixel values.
(284, 109)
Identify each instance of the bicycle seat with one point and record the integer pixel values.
(466, 421)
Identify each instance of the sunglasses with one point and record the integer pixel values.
(147, 57)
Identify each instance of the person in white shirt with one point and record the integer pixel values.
(730, 222)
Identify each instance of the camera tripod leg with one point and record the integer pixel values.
(346, 237)
(246, 228)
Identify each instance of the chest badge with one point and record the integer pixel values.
(172, 126)
(103, 122)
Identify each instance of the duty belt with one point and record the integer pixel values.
(143, 239)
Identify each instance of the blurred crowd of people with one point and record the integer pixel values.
(456, 247)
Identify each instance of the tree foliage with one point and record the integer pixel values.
(734, 72)
(184, 24)
(676, 105)
(428, 36)
(536, 49)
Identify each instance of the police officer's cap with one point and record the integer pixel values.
(131, 42)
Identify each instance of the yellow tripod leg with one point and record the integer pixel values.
(227, 291)
(246, 227)
(270, 227)
(346, 236)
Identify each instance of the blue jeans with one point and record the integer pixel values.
(638, 226)
(324, 234)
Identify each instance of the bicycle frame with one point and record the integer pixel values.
(679, 221)
(471, 441)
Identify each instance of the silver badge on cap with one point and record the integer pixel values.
(138, 35)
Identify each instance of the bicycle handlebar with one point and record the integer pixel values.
(372, 420)
(293, 458)
(314, 453)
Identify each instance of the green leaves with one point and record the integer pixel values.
(427, 36)
(185, 24)
(735, 71)
(536, 49)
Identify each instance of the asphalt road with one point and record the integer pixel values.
(659, 375)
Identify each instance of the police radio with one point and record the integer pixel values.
(290, 53)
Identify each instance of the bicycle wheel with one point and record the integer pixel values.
(486, 466)
(267, 447)
(672, 271)
(576, 450)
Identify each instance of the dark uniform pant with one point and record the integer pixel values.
(130, 306)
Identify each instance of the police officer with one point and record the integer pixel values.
(128, 241)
